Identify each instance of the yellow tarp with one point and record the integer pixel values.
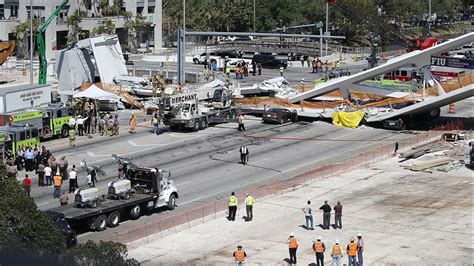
(347, 119)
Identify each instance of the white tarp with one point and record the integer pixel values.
(94, 92)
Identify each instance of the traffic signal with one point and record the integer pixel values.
(331, 1)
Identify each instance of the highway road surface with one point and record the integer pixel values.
(205, 165)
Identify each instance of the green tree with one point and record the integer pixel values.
(106, 26)
(29, 237)
(102, 253)
(21, 31)
(134, 28)
(72, 22)
(24, 230)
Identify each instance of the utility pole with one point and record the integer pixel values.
(31, 42)
(182, 74)
(327, 24)
(254, 17)
(429, 16)
(376, 37)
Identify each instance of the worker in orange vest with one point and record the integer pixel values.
(336, 254)
(360, 249)
(319, 248)
(292, 247)
(352, 252)
(239, 256)
(57, 182)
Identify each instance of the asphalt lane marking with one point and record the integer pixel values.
(261, 160)
(182, 184)
(143, 145)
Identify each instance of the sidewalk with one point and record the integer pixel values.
(404, 217)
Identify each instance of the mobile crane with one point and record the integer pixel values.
(43, 64)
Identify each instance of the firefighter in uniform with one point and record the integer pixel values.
(232, 206)
(352, 252)
(319, 248)
(239, 256)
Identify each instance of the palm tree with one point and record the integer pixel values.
(134, 29)
(106, 26)
(21, 32)
(73, 24)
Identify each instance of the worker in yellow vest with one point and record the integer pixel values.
(239, 256)
(292, 247)
(227, 71)
(336, 254)
(352, 252)
(232, 206)
(249, 207)
(57, 182)
(360, 249)
(319, 248)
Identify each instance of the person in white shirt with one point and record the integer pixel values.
(73, 179)
(80, 125)
(47, 175)
(308, 216)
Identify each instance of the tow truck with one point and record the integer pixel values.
(188, 112)
(152, 188)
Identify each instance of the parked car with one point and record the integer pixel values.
(110, 105)
(61, 222)
(269, 61)
(279, 115)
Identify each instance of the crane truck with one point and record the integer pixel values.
(143, 189)
(187, 111)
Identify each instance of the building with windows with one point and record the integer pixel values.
(13, 12)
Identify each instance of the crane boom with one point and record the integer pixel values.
(43, 64)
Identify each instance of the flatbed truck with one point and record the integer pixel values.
(152, 190)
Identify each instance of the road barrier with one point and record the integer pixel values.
(200, 212)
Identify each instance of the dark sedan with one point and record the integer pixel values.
(279, 115)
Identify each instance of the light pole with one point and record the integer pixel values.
(183, 54)
(327, 25)
(429, 16)
(254, 16)
(31, 42)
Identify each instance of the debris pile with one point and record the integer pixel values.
(279, 86)
(453, 152)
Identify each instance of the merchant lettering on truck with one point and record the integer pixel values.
(184, 98)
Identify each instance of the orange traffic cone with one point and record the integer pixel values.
(451, 109)
(23, 71)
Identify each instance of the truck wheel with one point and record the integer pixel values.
(172, 202)
(100, 223)
(94, 204)
(64, 132)
(203, 124)
(196, 61)
(114, 219)
(127, 196)
(135, 212)
(195, 125)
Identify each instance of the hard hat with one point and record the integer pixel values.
(302, 80)
(359, 234)
(337, 241)
(319, 238)
(292, 234)
(352, 239)
(153, 170)
(159, 170)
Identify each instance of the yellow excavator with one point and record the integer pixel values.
(6, 49)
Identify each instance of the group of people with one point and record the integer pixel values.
(88, 124)
(326, 208)
(354, 251)
(233, 203)
(318, 65)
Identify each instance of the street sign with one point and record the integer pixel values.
(452, 62)
(318, 25)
